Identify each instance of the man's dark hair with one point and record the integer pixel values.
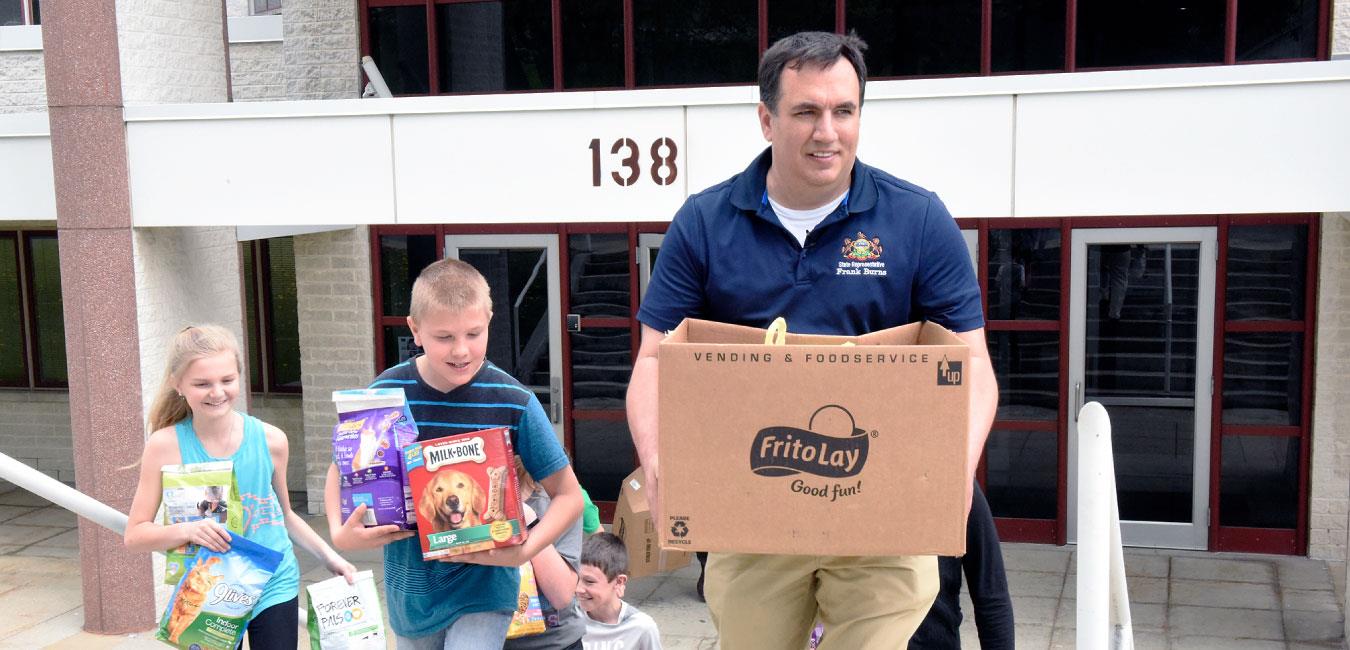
(818, 49)
(605, 551)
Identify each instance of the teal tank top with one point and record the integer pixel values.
(263, 519)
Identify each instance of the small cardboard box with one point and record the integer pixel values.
(465, 490)
(813, 447)
(633, 525)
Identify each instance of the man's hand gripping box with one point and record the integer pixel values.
(813, 447)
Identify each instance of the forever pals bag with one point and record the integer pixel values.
(528, 619)
(196, 491)
(374, 425)
(345, 617)
(213, 602)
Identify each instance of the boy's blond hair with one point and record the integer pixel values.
(449, 284)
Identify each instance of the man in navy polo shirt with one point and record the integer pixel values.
(809, 233)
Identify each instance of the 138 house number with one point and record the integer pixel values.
(663, 169)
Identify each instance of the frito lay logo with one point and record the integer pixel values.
(454, 452)
(862, 249)
(784, 450)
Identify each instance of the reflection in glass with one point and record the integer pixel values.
(284, 326)
(1149, 32)
(604, 456)
(50, 333)
(1263, 378)
(398, 44)
(602, 362)
(518, 337)
(398, 345)
(1141, 320)
(1154, 449)
(402, 258)
(1028, 35)
(600, 275)
(1026, 365)
(11, 315)
(1022, 473)
(1276, 29)
(695, 41)
(919, 37)
(592, 43)
(494, 46)
(251, 315)
(1024, 274)
(1267, 268)
(1259, 482)
(787, 17)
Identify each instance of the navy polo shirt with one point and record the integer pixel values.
(890, 254)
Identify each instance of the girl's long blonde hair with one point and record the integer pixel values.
(192, 343)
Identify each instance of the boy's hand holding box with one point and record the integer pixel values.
(813, 447)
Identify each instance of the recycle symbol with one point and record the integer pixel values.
(679, 529)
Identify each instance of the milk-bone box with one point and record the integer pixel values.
(466, 492)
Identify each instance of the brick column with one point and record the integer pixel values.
(93, 207)
(320, 49)
(334, 295)
(1330, 481)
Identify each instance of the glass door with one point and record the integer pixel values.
(1141, 344)
(524, 337)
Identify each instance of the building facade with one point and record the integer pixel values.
(1160, 224)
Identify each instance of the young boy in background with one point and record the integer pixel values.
(610, 622)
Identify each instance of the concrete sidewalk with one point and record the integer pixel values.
(1179, 600)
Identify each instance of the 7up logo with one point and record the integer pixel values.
(948, 372)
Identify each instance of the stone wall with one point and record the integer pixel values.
(171, 51)
(1330, 482)
(23, 82)
(335, 299)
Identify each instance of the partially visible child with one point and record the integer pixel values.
(192, 420)
(555, 574)
(611, 622)
(464, 601)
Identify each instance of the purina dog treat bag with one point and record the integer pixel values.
(373, 427)
(197, 491)
(213, 602)
(345, 617)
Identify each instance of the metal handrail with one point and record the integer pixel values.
(62, 495)
(71, 499)
(1103, 611)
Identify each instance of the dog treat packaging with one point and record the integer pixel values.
(815, 445)
(528, 619)
(211, 606)
(346, 617)
(197, 491)
(466, 492)
(374, 424)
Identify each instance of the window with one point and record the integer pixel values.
(32, 327)
(259, 7)
(271, 310)
(460, 46)
(20, 12)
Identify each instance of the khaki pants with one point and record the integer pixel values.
(773, 601)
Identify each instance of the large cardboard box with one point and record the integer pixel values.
(633, 524)
(813, 447)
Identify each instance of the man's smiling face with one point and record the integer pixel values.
(813, 133)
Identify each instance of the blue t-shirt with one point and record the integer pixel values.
(890, 254)
(425, 597)
(263, 519)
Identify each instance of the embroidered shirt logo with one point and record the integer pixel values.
(862, 249)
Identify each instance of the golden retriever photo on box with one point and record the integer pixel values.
(452, 500)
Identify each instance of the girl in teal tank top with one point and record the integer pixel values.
(192, 420)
